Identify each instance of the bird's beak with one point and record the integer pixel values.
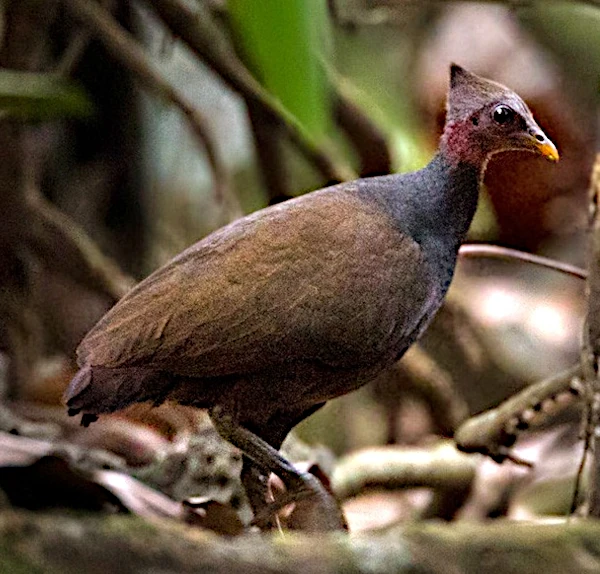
(539, 142)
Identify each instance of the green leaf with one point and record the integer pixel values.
(283, 43)
(39, 96)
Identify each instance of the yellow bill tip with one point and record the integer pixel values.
(548, 150)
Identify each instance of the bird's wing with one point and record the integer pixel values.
(330, 280)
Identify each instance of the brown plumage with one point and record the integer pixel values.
(266, 319)
(252, 301)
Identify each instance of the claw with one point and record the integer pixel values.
(87, 419)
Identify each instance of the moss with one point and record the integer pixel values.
(56, 543)
(17, 561)
(129, 526)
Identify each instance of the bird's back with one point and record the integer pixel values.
(326, 280)
(328, 277)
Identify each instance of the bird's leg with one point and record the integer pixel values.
(255, 483)
(268, 459)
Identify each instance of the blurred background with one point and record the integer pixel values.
(104, 178)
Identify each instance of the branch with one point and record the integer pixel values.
(270, 153)
(97, 544)
(449, 408)
(512, 3)
(130, 54)
(77, 46)
(53, 236)
(493, 432)
(418, 373)
(368, 141)
(591, 349)
(498, 252)
(196, 29)
(440, 467)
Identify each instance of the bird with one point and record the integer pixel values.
(266, 319)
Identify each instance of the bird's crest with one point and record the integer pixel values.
(469, 92)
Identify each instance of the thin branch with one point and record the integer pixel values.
(394, 467)
(366, 138)
(77, 46)
(53, 236)
(494, 431)
(270, 154)
(130, 54)
(448, 406)
(498, 252)
(511, 3)
(591, 348)
(72, 54)
(419, 374)
(207, 41)
(439, 467)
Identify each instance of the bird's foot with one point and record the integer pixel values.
(315, 509)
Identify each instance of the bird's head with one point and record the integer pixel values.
(484, 117)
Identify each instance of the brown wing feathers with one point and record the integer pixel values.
(250, 299)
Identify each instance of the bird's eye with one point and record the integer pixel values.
(503, 115)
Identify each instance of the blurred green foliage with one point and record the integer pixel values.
(40, 96)
(283, 43)
(377, 64)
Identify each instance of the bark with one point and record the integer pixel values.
(591, 344)
(53, 543)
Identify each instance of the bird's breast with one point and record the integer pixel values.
(385, 306)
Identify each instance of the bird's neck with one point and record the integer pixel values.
(459, 146)
(434, 206)
(441, 206)
(447, 201)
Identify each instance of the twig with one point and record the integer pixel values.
(129, 53)
(207, 41)
(436, 384)
(366, 138)
(73, 53)
(498, 252)
(79, 42)
(493, 432)
(53, 236)
(591, 350)
(512, 3)
(369, 142)
(270, 153)
(440, 467)
(418, 373)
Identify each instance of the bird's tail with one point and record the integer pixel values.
(95, 390)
